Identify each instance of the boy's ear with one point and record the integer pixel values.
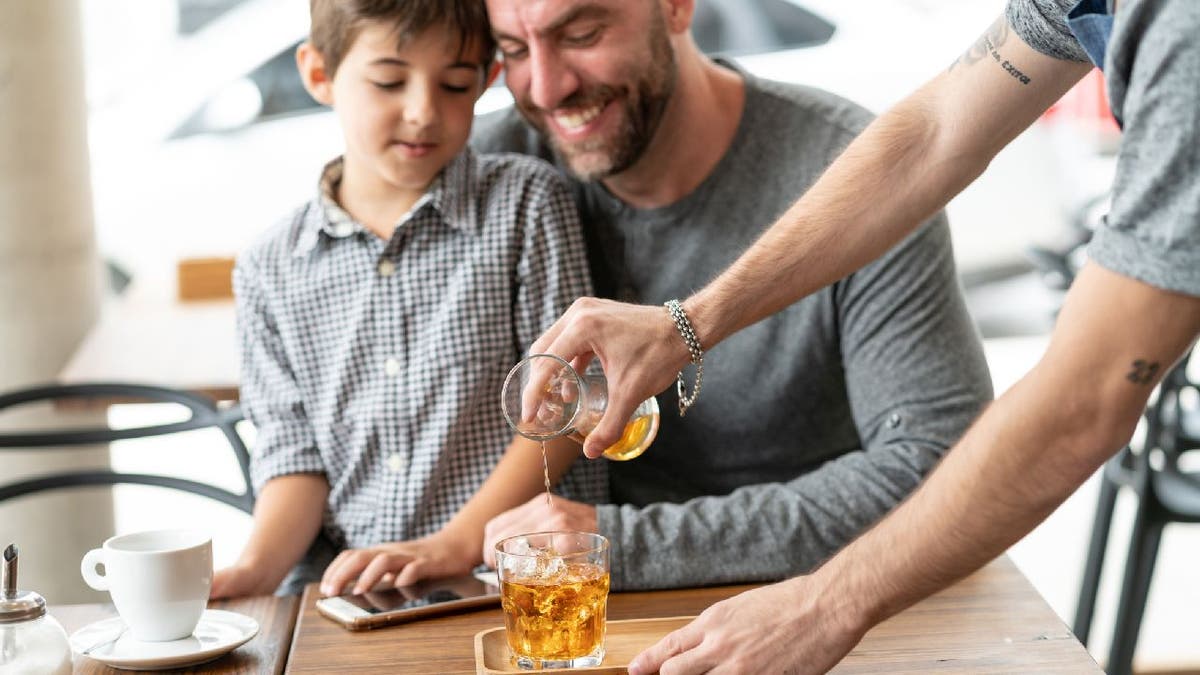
(311, 64)
(492, 73)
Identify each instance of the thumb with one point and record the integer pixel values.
(610, 428)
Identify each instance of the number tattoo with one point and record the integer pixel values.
(1143, 372)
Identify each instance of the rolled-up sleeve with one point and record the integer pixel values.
(1042, 24)
(1152, 232)
(270, 395)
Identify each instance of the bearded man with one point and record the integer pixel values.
(813, 423)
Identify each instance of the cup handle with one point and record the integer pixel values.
(87, 568)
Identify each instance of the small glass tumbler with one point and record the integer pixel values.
(554, 594)
(544, 397)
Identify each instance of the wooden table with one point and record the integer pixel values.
(147, 336)
(265, 653)
(993, 621)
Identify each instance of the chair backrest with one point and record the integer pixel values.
(203, 413)
(1178, 415)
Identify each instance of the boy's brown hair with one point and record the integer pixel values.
(337, 23)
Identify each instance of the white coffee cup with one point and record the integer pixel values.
(159, 580)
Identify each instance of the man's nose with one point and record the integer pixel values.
(551, 80)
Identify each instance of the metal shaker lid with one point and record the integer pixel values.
(15, 605)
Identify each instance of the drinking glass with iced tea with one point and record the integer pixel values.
(544, 397)
(554, 594)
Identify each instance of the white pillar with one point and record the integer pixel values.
(49, 277)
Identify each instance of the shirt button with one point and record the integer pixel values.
(387, 268)
(392, 366)
(893, 421)
(342, 229)
(395, 462)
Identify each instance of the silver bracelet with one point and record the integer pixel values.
(675, 309)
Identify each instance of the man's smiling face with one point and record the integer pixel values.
(593, 76)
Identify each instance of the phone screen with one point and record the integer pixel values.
(434, 592)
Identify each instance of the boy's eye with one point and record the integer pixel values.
(389, 85)
(456, 88)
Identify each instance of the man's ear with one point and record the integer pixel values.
(311, 64)
(678, 14)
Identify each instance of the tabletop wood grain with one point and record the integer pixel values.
(265, 653)
(992, 622)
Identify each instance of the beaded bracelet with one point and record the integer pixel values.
(675, 309)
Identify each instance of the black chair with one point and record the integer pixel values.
(204, 413)
(1165, 492)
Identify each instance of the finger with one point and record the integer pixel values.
(380, 565)
(581, 361)
(327, 584)
(612, 425)
(539, 345)
(412, 573)
(343, 570)
(675, 642)
(541, 371)
(573, 343)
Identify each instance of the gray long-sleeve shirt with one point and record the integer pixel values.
(813, 423)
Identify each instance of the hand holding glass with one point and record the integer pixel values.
(544, 398)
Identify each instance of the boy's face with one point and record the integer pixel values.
(593, 76)
(404, 111)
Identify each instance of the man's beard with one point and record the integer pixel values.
(643, 105)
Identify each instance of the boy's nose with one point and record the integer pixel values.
(419, 108)
(550, 80)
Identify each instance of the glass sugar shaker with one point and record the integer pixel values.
(31, 641)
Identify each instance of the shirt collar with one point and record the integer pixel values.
(452, 195)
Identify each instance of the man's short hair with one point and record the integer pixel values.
(337, 23)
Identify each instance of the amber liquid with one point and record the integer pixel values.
(638, 435)
(546, 473)
(556, 619)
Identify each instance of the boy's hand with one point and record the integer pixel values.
(239, 581)
(399, 563)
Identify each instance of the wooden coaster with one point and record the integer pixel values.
(623, 640)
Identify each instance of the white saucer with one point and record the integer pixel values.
(218, 633)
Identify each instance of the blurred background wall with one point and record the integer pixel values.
(49, 274)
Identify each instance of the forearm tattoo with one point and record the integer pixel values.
(989, 44)
(1142, 372)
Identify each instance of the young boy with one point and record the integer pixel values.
(379, 320)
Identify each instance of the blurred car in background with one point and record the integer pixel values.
(219, 139)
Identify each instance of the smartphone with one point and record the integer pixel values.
(388, 606)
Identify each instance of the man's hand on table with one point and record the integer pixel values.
(399, 563)
(639, 349)
(781, 628)
(536, 516)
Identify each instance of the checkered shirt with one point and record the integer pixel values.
(379, 363)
